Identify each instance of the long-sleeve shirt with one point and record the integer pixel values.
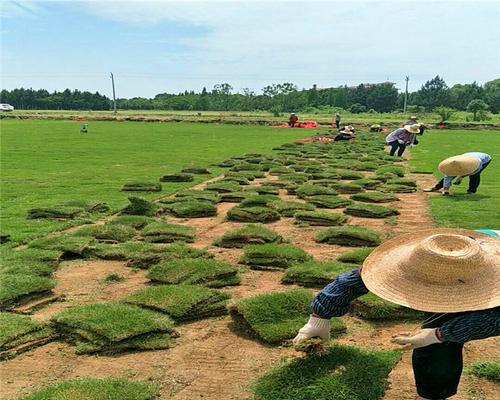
(483, 159)
(401, 135)
(334, 300)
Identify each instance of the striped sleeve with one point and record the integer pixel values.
(335, 298)
(472, 326)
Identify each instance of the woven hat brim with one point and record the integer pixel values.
(469, 165)
(383, 274)
(412, 128)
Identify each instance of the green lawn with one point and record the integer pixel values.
(462, 210)
(47, 162)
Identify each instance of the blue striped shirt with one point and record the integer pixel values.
(334, 300)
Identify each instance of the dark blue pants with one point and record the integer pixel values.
(395, 145)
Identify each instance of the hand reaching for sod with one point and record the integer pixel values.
(424, 337)
(315, 327)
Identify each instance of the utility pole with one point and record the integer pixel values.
(406, 93)
(114, 97)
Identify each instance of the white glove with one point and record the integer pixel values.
(424, 337)
(315, 327)
(401, 142)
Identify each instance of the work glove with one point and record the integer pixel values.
(424, 337)
(401, 142)
(315, 327)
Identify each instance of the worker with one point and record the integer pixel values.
(458, 167)
(449, 272)
(292, 120)
(376, 128)
(84, 128)
(346, 133)
(337, 120)
(402, 137)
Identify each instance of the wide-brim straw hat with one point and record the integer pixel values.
(413, 117)
(459, 165)
(436, 270)
(415, 128)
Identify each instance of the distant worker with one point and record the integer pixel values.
(84, 128)
(347, 133)
(292, 120)
(376, 128)
(337, 120)
(467, 164)
(402, 137)
(412, 120)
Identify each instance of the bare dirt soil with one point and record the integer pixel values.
(211, 360)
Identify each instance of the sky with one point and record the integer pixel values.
(170, 46)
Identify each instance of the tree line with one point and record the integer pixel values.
(278, 98)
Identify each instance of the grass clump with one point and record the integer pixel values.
(248, 234)
(328, 201)
(113, 327)
(486, 369)
(263, 215)
(275, 317)
(338, 373)
(141, 187)
(110, 233)
(372, 307)
(177, 178)
(181, 302)
(69, 245)
(352, 235)
(391, 169)
(370, 210)
(314, 273)
(289, 208)
(374, 197)
(356, 256)
(304, 191)
(163, 232)
(140, 206)
(273, 256)
(206, 272)
(318, 218)
(223, 187)
(18, 289)
(192, 209)
(113, 277)
(93, 389)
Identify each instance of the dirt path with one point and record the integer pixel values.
(210, 360)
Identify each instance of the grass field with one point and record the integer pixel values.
(462, 210)
(47, 162)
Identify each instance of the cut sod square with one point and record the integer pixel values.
(349, 188)
(275, 171)
(289, 208)
(90, 206)
(296, 178)
(372, 307)
(328, 201)
(177, 178)
(192, 209)
(350, 175)
(318, 218)
(223, 187)
(370, 210)
(163, 232)
(55, 212)
(206, 272)
(248, 234)
(265, 190)
(70, 245)
(134, 221)
(402, 181)
(397, 189)
(374, 197)
(139, 206)
(141, 187)
(273, 256)
(314, 273)
(150, 256)
(276, 317)
(258, 200)
(235, 179)
(111, 233)
(123, 251)
(263, 215)
(195, 170)
(17, 289)
(248, 175)
(181, 302)
(213, 197)
(235, 197)
(370, 183)
(392, 169)
(29, 261)
(356, 256)
(351, 235)
(96, 389)
(339, 373)
(304, 191)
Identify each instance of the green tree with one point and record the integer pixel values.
(432, 94)
(492, 95)
(478, 108)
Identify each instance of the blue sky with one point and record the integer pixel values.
(169, 46)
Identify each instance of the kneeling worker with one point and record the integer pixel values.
(467, 164)
(292, 120)
(347, 133)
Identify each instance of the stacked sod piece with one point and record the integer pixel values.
(276, 317)
(212, 197)
(259, 200)
(108, 233)
(192, 209)
(317, 218)
(223, 187)
(235, 197)
(356, 256)
(163, 232)
(248, 234)
(195, 170)
(141, 187)
(352, 235)
(68, 244)
(114, 327)
(177, 178)
(348, 188)
(374, 197)
(402, 181)
(134, 221)
(181, 302)
(139, 206)
(273, 256)
(305, 191)
(68, 210)
(289, 208)
(328, 201)
(393, 188)
(339, 373)
(195, 271)
(19, 333)
(372, 307)
(370, 210)
(262, 215)
(314, 273)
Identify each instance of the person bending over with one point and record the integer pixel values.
(402, 137)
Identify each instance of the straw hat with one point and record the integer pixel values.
(413, 117)
(436, 270)
(415, 128)
(459, 165)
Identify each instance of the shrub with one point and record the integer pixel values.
(275, 317)
(141, 187)
(318, 218)
(92, 388)
(177, 178)
(357, 108)
(356, 256)
(107, 233)
(192, 209)
(263, 215)
(328, 201)
(370, 210)
(374, 197)
(485, 369)
(445, 113)
(314, 273)
(372, 307)
(163, 232)
(393, 169)
(352, 235)
(305, 191)
(339, 373)
(248, 234)
(222, 187)
(273, 256)
(206, 272)
(181, 302)
(140, 206)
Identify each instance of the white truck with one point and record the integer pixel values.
(6, 107)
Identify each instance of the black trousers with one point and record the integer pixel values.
(395, 145)
(337, 124)
(474, 180)
(437, 368)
